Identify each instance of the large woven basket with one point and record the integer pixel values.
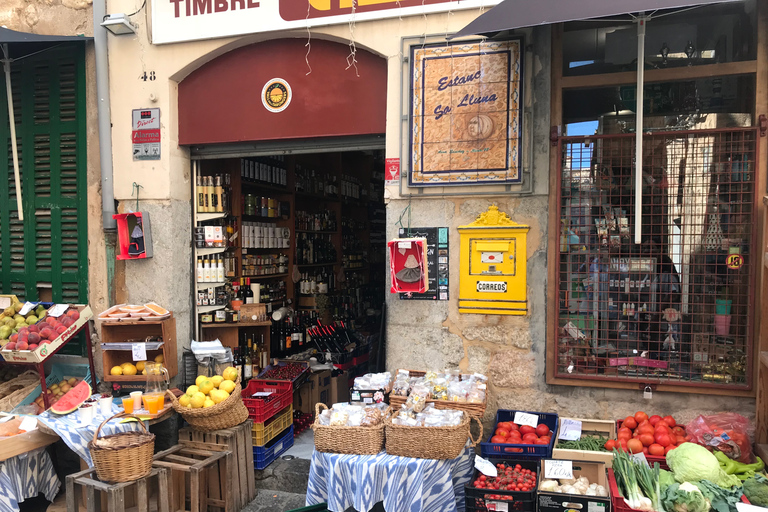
(125, 456)
(473, 409)
(13, 392)
(429, 442)
(350, 440)
(225, 414)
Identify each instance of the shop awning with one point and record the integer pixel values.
(512, 14)
(16, 46)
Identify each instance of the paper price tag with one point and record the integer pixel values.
(557, 469)
(27, 307)
(640, 458)
(497, 506)
(139, 351)
(526, 418)
(58, 310)
(28, 424)
(403, 245)
(485, 467)
(570, 430)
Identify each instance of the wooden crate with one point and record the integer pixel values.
(238, 440)
(114, 495)
(120, 332)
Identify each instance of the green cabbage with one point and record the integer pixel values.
(691, 462)
(684, 497)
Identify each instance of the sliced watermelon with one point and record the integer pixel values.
(72, 399)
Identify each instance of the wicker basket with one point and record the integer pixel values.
(350, 440)
(122, 457)
(225, 414)
(429, 442)
(473, 409)
(17, 389)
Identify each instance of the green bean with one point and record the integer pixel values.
(588, 443)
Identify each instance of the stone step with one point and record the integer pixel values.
(275, 501)
(284, 475)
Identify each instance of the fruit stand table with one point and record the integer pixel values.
(404, 484)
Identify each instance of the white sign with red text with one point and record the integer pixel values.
(145, 134)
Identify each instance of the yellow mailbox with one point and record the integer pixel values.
(493, 264)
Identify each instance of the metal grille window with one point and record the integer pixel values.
(676, 308)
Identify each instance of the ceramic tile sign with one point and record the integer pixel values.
(437, 262)
(466, 105)
(145, 134)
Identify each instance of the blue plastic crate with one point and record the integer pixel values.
(59, 371)
(520, 451)
(263, 456)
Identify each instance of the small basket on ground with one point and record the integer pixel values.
(225, 414)
(125, 456)
(429, 442)
(349, 440)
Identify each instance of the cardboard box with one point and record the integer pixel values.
(339, 388)
(603, 428)
(45, 350)
(302, 398)
(316, 389)
(560, 502)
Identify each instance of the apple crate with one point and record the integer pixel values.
(59, 372)
(486, 500)
(263, 456)
(43, 351)
(260, 410)
(521, 451)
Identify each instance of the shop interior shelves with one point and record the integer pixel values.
(203, 217)
(207, 251)
(238, 324)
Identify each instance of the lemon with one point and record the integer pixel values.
(199, 379)
(129, 369)
(206, 386)
(125, 364)
(144, 371)
(184, 401)
(230, 374)
(197, 400)
(140, 366)
(159, 359)
(191, 390)
(208, 403)
(216, 379)
(218, 395)
(116, 370)
(227, 385)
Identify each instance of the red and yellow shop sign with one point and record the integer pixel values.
(466, 103)
(186, 20)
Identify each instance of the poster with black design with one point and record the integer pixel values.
(437, 262)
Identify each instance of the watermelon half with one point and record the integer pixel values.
(72, 399)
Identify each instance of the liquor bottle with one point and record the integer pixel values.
(248, 363)
(236, 361)
(200, 272)
(200, 195)
(247, 292)
(255, 359)
(217, 194)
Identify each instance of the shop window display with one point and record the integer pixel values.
(675, 308)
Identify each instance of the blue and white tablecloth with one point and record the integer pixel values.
(403, 484)
(26, 476)
(77, 435)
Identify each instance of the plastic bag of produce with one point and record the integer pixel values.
(728, 432)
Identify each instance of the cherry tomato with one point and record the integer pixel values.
(629, 422)
(542, 430)
(654, 419)
(640, 416)
(670, 421)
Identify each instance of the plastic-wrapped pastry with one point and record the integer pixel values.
(418, 398)
(440, 389)
(430, 376)
(339, 418)
(401, 386)
(476, 394)
(457, 392)
(371, 417)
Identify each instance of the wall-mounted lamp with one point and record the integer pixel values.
(118, 24)
(664, 53)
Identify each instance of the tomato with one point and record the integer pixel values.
(663, 439)
(513, 426)
(678, 430)
(645, 429)
(640, 416)
(512, 440)
(527, 429)
(679, 440)
(670, 421)
(629, 422)
(635, 446)
(625, 430)
(501, 432)
(669, 449)
(532, 437)
(542, 430)
(504, 425)
(610, 445)
(654, 419)
(527, 441)
(646, 439)
(498, 439)
(662, 428)
(645, 450)
(656, 449)
(624, 437)
(540, 441)
(546, 438)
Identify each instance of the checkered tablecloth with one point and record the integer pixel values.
(403, 484)
(26, 476)
(77, 435)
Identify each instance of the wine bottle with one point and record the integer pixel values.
(247, 363)
(247, 292)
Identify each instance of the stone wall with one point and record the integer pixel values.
(511, 350)
(51, 17)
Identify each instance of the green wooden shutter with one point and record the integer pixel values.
(50, 247)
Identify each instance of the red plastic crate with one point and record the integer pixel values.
(259, 410)
(617, 500)
(661, 459)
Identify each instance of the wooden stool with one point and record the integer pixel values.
(116, 492)
(204, 462)
(238, 440)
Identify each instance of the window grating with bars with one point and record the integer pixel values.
(676, 308)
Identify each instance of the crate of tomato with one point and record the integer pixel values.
(514, 488)
(522, 435)
(653, 435)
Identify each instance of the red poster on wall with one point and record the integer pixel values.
(392, 169)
